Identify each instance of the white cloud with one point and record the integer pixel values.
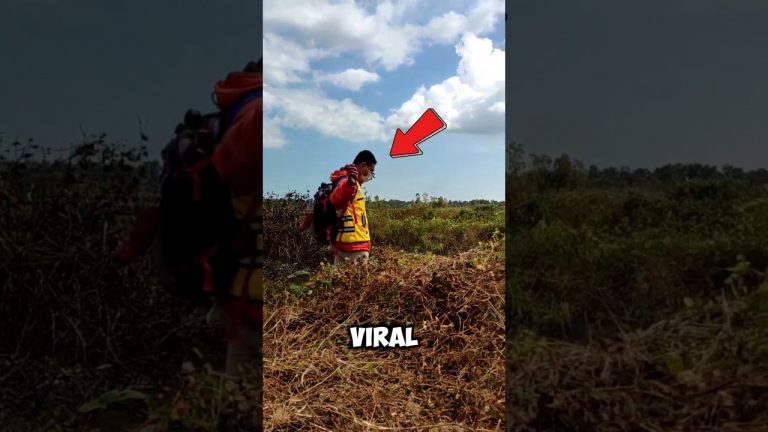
(286, 60)
(273, 133)
(345, 26)
(498, 107)
(482, 66)
(383, 36)
(445, 28)
(310, 109)
(350, 79)
(470, 102)
(482, 18)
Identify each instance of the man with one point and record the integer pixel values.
(238, 160)
(352, 240)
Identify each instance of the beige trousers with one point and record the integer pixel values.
(244, 352)
(343, 258)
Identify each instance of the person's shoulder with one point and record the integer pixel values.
(338, 175)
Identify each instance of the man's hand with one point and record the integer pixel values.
(351, 174)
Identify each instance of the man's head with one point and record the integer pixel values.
(257, 67)
(366, 165)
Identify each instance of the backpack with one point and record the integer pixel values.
(325, 221)
(194, 252)
(324, 214)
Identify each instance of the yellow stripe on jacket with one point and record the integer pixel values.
(249, 213)
(353, 219)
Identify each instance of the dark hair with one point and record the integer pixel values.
(364, 156)
(254, 66)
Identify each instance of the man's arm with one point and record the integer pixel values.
(343, 193)
(238, 157)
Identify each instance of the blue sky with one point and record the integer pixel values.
(640, 83)
(342, 76)
(103, 65)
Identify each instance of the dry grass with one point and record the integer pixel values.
(452, 381)
(77, 328)
(638, 307)
(705, 369)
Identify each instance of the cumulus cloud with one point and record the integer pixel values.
(350, 79)
(445, 28)
(273, 132)
(287, 60)
(311, 109)
(385, 35)
(472, 101)
(483, 16)
(346, 26)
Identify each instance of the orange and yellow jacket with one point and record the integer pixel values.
(352, 233)
(238, 160)
(238, 156)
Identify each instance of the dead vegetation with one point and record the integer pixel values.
(74, 325)
(636, 300)
(87, 345)
(452, 381)
(705, 369)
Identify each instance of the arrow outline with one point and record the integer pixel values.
(416, 144)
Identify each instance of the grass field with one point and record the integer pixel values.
(637, 300)
(438, 266)
(90, 345)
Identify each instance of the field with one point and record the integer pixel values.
(87, 344)
(438, 266)
(636, 300)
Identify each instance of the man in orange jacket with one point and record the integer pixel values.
(352, 240)
(238, 160)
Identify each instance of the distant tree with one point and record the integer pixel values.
(641, 175)
(439, 202)
(563, 172)
(594, 172)
(515, 159)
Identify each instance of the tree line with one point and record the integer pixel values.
(547, 172)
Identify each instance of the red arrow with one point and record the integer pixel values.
(405, 144)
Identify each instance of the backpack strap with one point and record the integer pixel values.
(334, 183)
(334, 228)
(231, 112)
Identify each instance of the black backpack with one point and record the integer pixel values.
(194, 248)
(324, 219)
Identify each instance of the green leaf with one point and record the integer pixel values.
(110, 397)
(297, 289)
(300, 277)
(133, 394)
(674, 363)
